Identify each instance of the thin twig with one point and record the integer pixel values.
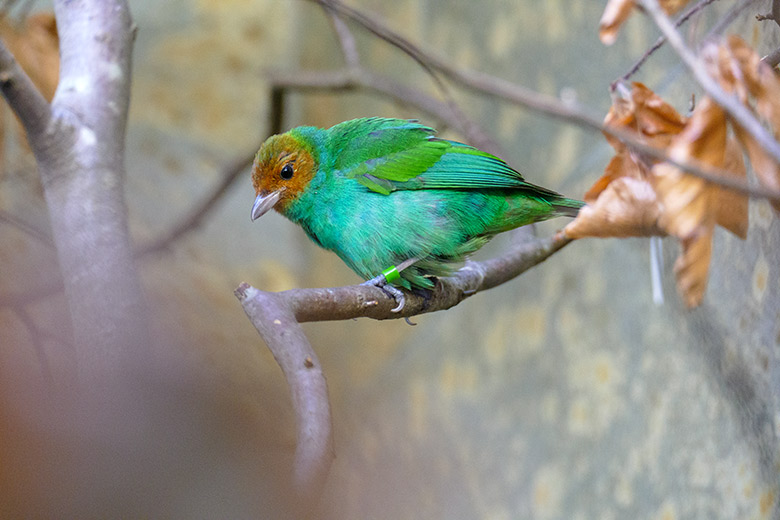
(346, 39)
(278, 95)
(659, 43)
(345, 80)
(200, 210)
(23, 97)
(726, 20)
(771, 15)
(411, 50)
(773, 58)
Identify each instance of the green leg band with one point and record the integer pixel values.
(391, 274)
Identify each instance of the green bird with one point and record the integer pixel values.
(396, 203)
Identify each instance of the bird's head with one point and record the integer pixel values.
(282, 170)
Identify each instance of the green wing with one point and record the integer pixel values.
(386, 155)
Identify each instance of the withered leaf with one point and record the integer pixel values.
(655, 117)
(767, 170)
(644, 112)
(688, 203)
(731, 207)
(628, 207)
(615, 13)
(623, 164)
(739, 69)
(692, 267)
(652, 120)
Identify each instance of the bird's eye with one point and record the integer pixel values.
(287, 172)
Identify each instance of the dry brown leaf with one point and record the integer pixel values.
(767, 170)
(653, 121)
(654, 116)
(692, 267)
(741, 66)
(686, 199)
(644, 112)
(622, 202)
(628, 207)
(617, 12)
(739, 69)
(621, 165)
(630, 200)
(688, 203)
(731, 207)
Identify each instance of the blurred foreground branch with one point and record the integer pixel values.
(78, 143)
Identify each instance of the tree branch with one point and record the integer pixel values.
(277, 317)
(274, 319)
(80, 156)
(357, 78)
(771, 15)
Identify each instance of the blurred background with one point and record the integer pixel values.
(566, 393)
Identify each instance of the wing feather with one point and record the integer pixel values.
(387, 155)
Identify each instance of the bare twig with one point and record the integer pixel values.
(347, 41)
(659, 43)
(23, 97)
(349, 79)
(464, 123)
(200, 210)
(773, 58)
(726, 20)
(729, 103)
(772, 15)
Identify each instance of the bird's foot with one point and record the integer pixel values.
(381, 282)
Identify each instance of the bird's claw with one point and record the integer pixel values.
(381, 282)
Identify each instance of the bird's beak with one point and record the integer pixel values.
(264, 202)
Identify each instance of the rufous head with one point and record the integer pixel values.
(282, 170)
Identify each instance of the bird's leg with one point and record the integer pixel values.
(387, 277)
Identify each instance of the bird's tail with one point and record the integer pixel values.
(566, 207)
